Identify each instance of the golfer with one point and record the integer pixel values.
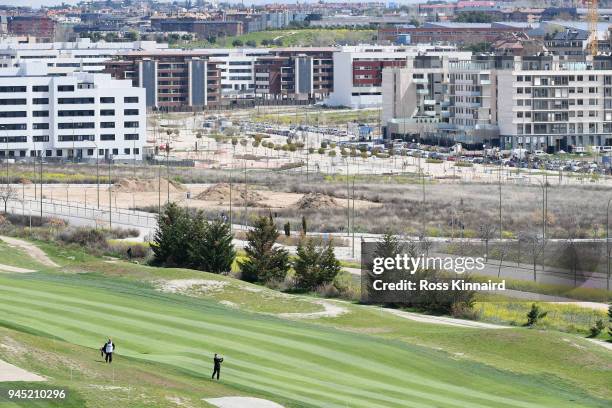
(217, 361)
(109, 349)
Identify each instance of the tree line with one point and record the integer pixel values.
(184, 238)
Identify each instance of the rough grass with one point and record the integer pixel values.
(563, 317)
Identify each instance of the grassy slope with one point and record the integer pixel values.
(17, 257)
(294, 363)
(290, 37)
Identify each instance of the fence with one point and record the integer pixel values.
(92, 215)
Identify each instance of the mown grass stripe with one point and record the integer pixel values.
(267, 371)
(462, 392)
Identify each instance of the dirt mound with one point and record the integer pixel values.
(221, 193)
(317, 200)
(134, 185)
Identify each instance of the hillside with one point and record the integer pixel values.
(53, 322)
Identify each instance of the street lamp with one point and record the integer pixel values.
(608, 245)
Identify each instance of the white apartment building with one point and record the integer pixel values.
(551, 104)
(64, 57)
(544, 102)
(358, 70)
(80, 116)
(237, 70)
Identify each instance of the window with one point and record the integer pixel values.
(41, 126)
(115, 151)
(107, 99)
(107, 112)
(126, 151)
(65, 113)
(65, 88)
(106, 137)
(13, 126)
(58, 152)
(107, 125)
(75, 101)
(130, 136)
(90, 152)
(17, 114)
(41, 138)
(48, 153)
(14, 139)
(40, 101)
(41, 114)
(130, 124)
(12, 89)
(40, 88)
(12, 101)
(75, 138)
(136, 151)
(100, 152)
(129, 112)
(76, 125)
(130, 99)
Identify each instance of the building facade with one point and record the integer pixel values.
(358, 71)
(65, 57)
(173, 79)
(544, 102)
(77, 117)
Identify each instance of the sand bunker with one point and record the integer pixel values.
(317, 200)
(221, 194)
(242, 402)
(134, 185)
(190, 286)
(9, 372)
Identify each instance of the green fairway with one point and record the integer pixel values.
(296, 364)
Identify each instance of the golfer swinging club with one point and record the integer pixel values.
(217, 361)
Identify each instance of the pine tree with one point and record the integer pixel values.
(211, 247)
(173, 231)
(264, 263)
(535, 315)
(315, 264)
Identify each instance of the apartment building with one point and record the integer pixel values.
(358, 70)
(416, 96)
(173, 79)
(300, 73)
(544, 102)
(80, 116)
(64, 57)
(452, 33)
(557, 103)
(39, 26)
(183, 80)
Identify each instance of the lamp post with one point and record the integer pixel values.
(608, 245)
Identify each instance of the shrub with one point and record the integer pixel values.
(316, 264)
(597, 328)
(82, 236)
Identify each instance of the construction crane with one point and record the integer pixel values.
(593, 19)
